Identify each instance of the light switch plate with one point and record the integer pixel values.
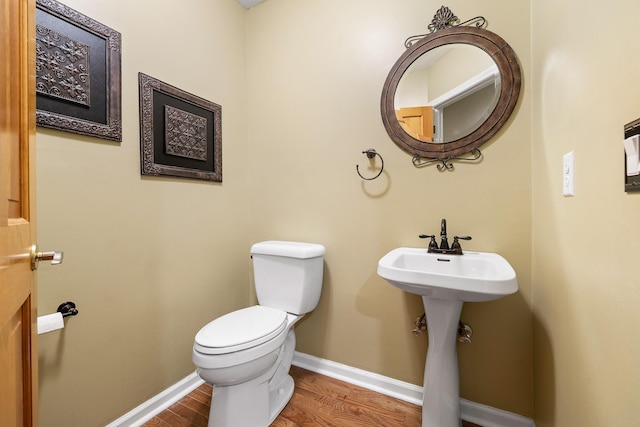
(567, 174)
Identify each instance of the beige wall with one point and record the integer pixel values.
(585, 248)
(315, 75)
(148, 261)
(461, 64)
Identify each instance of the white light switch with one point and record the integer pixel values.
(567, 174)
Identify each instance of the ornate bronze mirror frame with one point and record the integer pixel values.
(446, 31)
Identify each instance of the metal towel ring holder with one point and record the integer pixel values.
(371, 153)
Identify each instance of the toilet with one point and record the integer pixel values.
(246, 354)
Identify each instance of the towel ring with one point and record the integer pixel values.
(371, 153)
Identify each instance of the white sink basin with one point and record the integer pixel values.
(472, 277)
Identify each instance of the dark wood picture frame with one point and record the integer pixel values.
(180, 133)
(78, 73)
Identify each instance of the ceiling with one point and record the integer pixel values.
(249, 3)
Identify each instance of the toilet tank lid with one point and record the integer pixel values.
(288, 249)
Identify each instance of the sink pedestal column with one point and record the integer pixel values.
(441, 403)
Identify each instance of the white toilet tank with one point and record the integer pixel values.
(288, 275)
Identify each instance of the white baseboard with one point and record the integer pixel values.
(477, 413)
(487, 416)
(152, 407)
(388, 386)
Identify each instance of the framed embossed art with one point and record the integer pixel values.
(180, 133)
(78, 81)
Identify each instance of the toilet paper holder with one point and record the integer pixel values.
(67, 309)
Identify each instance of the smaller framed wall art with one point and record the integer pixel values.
(180, 133)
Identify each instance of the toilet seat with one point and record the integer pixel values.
(240, 330)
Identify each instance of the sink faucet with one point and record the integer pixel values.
(444, 243)
(444, 248)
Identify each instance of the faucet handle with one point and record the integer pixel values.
(456, 245)
(432, 244)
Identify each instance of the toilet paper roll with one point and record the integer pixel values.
(632, 148)
(50, 322)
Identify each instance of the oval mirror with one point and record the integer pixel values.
(450, 92)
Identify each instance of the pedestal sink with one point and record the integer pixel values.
(445, 283)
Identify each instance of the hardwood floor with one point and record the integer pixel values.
(318, 401)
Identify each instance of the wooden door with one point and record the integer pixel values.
(417, 122)
(18, 304)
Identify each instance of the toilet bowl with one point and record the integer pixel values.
(246, 355)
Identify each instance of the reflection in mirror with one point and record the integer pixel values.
(447, 93)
